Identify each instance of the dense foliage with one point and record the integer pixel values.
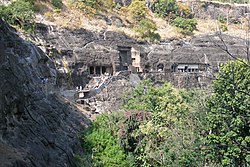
(138, 10)
(101, 145)
(186, 25)
(143, 25)
(164, 8)
(57, 3)
(229, 116)
(169, 138)
(165, 126)
(146, 29)
(19, 13)
(158, 128)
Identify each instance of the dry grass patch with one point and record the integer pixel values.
(210, 26)
(74, 18)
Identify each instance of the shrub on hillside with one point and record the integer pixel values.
(57, 3)
(19, 13)
(101, 144)
(222, 23)
(146, 29)
(166, 8)
(186, 25)
(138, 9)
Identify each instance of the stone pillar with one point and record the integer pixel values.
(101, 70)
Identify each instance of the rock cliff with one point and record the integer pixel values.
(76, 51)
(78, 55)
(37, 127)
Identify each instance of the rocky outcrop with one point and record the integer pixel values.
(37, 127)
(110, 99)
(233, 13)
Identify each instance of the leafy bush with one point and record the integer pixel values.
(187, 25)
(228, 140)
(222, 19)
(222, 23)
(101, 146)
(109, 4)
(19, 13)
(57, 3)
(138, 9)
(223, 27)
(165, 8)
(146, 29)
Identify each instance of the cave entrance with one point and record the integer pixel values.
(125, 59)
(100, 70)
(186, 68)
(97, 70)
(91, 70)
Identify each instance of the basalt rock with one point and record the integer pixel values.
(76, 51)
(37, 128)
(233, 13)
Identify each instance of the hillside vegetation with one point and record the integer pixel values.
(169, 19)
(159, 125)
(165, 126)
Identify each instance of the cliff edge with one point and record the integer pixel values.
(37, 127)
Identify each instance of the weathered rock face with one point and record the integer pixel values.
(233, 13)
(110, 99)
(37, 128)
(81, 49)
(74, 51)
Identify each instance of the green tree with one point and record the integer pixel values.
(18, 13)
(138, 9)
(57, 3)
(186, 25)
(170, 137)
(101, 144)
(146, 29)
(165, 8)
(160, 127)
(228, 142)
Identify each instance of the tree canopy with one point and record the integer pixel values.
(228, 142)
